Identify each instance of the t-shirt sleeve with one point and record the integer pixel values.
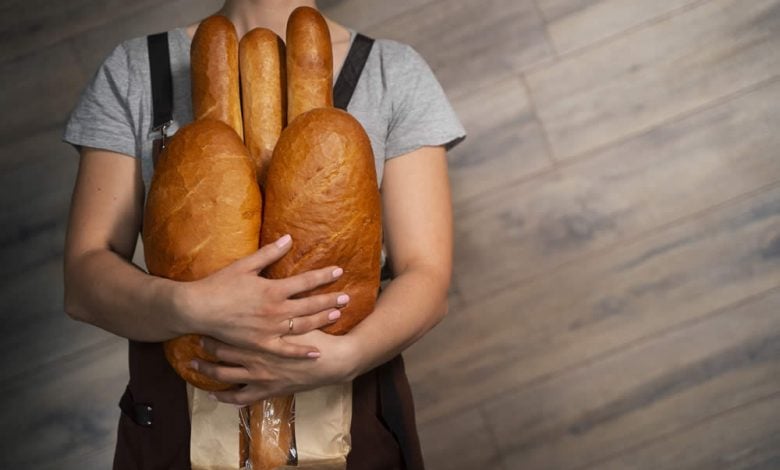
(422, 114)
(101, 117)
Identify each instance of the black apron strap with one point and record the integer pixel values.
(351, 70)
(162, 89)
(162, 82)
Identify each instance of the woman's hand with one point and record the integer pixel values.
(239, 307)
(265, 375)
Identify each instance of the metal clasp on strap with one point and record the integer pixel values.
(161, 132)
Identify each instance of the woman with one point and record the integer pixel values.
(410, 123)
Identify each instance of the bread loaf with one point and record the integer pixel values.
(309, 62)
(263, 94)
(214, 73)
(204, 206)
(203, 212)
(322, 190)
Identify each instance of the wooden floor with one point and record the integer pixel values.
(616, 298)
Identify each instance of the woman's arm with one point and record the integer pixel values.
(418, 235)
(104, 288)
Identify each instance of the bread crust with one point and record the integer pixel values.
(214, 73)
(203, 212)
(309, 62)
(322, 190)
(263, 94)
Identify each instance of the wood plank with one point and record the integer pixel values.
(451, 35)
(70, 408)
(93, 46)
(39, 90)
(362, 15)
(460, 442)
(505, 141)
(32, 220)
(665, 175)
(650, 389)
(744, 438)
(42, 332)
(650, 75)
(598, 305)
(103, 458)
(556, 9)
(34, 146)
(599, 20)
(28, 26)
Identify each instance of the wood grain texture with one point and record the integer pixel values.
(32, 220)
(464, 434)
(28, 26)
(505, 141)
(656, 73)
(43, 333)
(93, 46)
(598, 305)
(621, 192)
(617, 226)
(69, 407)
(655, 387)
(40, 88)
(746, 438)
(465, 57)
(588, 22)
(362, 15)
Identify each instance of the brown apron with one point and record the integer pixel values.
(154, 427)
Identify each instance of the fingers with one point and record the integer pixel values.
(304, 324)
(224, 352)
(242, 397)
(221, 372)
(314, 304)
(310, 279)
(265, 256)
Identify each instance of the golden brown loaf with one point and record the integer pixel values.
(203, 212)
(214, 73)
(322, 190)
(309, 62)
(263, 94)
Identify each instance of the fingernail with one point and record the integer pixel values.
(342, 299)
(313, 354)
(194, 365)
(338, 272)
(212, 397)
(334, 315)
(283, 241)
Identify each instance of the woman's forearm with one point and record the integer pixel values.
(410, 305)
(105, 290)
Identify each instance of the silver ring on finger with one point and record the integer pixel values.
(290, 325)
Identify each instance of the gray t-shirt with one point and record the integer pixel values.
(398, 101)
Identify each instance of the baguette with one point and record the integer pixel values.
(309, 62)
(214, 73)
(263, 94)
